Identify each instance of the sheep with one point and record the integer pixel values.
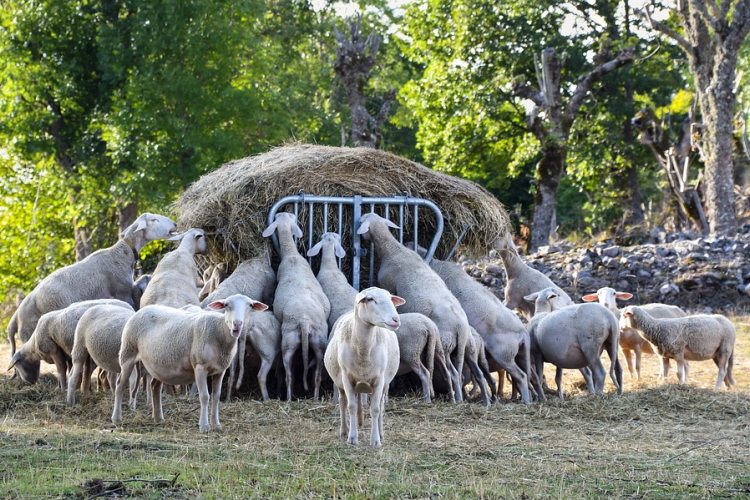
(180, 347)
(212, 278)
(363, 357)
(419, 347)
(254, 278)
(523, 280)
(403, 272)
(139, 287)
(573, 337)
(503, 333)
(105, 274)
(630, 340)
(263, 331)
(696, 338)
(333, 282)
(98, 336)
(299, 304)
(173, 282)
(52, 341)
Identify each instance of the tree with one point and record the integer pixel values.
(712, 36)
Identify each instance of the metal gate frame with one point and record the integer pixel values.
(357, 202)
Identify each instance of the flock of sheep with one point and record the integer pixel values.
(164, 330)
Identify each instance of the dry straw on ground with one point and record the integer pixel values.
(232, 202)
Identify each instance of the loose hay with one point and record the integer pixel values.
(232, 203)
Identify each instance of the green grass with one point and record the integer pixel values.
(653, 441)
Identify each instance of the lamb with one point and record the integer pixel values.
(263, 331)
(254, 278)
(52, 341)
(139, 288)
(340, 293)
(180, 347)
(573, 337)
(696, 338)
(98, 336)
(503, 333)
(173, 282)
(523, 280)
(363, 357)
(299, 304)
(105, 274)
(631, 340)
(212, 278)
(403, 272)
(419, 347)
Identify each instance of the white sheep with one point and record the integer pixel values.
(333, 282)
(420, 348)
(97, 337)
(173, 282)
(363, 357)
(695, 338)
(53, 339)
(299, 304)
(503, 333)
(105, 274)
(181, 347)
(631, 340)
(523, 280)
(573, 337)
(212, 278)
(404, 273)
(253, 278)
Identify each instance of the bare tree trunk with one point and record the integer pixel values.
(550, 169)
(355, 59)
(127, 215)
(83, 241)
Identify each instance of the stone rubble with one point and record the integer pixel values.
(699, 274)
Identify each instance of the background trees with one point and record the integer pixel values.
(111, 107)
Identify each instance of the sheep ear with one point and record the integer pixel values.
(532, 297)
(361, 297)
(363, 227)
(552, 296)
(259, 306)
(138, 225)
(391, 224)
(14, 360)
(340, 252)
(296, 231)
(397, 301)
(627, 313)
(176, 237)
(270, 229)
(590, 298)
(218, 305)
(315, 250)
(623, 295)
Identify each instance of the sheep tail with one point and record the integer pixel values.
(12, 329)
(304, 331)
(432, 339)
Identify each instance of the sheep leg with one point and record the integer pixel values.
(265, 367)
(156, 409)
(88, 370)
(729, 379)
(59, 359)
(351, 399)
(440, 360)
(126, 367)
(376, 411)
(241, 348)
(664, 368)
(318, 348)
(598, 373)
(638, 350)
(112, 380)
(460, 357)
(201, 380)
(480, 380)
(558, 382)
(230, 377)
(504, 354)
(75, 373)
(424, 377)
(586, 373)
(343, 409)
(536, 377)
(216, 382)
(686, 370)
(290, 341)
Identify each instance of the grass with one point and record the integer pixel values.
(653, 441)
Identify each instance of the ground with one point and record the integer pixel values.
(653, 441)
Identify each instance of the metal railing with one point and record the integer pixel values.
(333, 206)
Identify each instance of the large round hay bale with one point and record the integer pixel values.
(232, 202)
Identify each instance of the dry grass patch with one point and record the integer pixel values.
(653, 441)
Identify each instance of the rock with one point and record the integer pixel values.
(663, 252)
(547, 250)
(610, 262)
(495, 269)
(666, 288)
(612, 251)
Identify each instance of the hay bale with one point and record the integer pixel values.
(232, 203)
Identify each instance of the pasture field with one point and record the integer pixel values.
(653, 441)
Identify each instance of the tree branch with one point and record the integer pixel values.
(585, 83)
(664, 29)
(523, 89)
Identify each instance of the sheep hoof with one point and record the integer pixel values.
(204, 428)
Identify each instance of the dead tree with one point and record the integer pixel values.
(550, 121)
(674, 158)
(712, 36)
(355, 59)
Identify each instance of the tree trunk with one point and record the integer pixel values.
(127, 215)
(633, 197)
(549, 169)
(83, 241)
